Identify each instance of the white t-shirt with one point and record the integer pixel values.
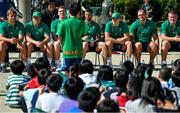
(49, 102)
(89, 79)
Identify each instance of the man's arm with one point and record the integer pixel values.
(109, 38)
(46, 40)
(155, 38)
(167, 38)
(29, 39)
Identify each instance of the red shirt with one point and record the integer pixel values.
(33, 83)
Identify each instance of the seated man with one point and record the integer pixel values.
(92, 41)
(37, 36)
(11, 38)
(117, 37)
(170, 34)
(142, 31)
(54, 27)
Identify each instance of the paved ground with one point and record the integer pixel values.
(116, 60)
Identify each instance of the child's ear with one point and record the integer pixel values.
(159, 103)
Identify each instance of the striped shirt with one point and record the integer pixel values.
(12, 96)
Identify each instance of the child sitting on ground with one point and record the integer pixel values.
(12, 97)
(86, 73)
(164, 77)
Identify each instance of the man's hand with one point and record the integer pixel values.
(177, 39)
(84, 38)
(42, 43)
(14, 40)
(121, 40)
(38, 43)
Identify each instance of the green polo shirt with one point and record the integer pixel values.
(71, 31)
(93, 30)
(55, 24)
(116, 31)
(168, 29)
(143, 33)
(37, 32)
(10, 31)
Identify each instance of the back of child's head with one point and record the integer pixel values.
(176, 65)
(135, 83)
(176, 78)
(31, 70)
(105, 73)
(87, 101)
(95, 91)
(86, 66)
(73, 86)
(73, 70)
(74, 8)
(165, 73)
(17, 67)
(54, 82)
(127, 65)
(43, 75)
(121, 78)
(41, 63)
(108, 105)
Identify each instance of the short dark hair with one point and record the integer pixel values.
(105, 73)
(176, 78)
(31, 70)
(73, 86)
(17, 67)
(176, 65)
(43, 75)
(51, 3)
(95, 91)
(86, 101)
(108, 105)
(88, 10)
(121, 78)
(127, 65)
(74, 69)
(74, 8)
(86, 66)
(42, 63)
(165, 73)
(54, 82)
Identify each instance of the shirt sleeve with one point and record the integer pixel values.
(60, 30)
(154, 28)
(108, 27)
(133, 28)
(126, 30)
(53, 27)
(2, 29)
(27, 29)
(163, 28)
(46, 30)
(21, 30)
